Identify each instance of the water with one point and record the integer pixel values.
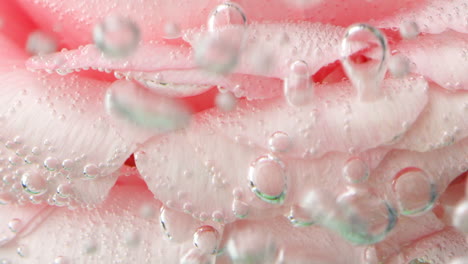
(297, 86)
(116, 36)
(355, 170)
(267, 179)
(219, 50)
(366, 77)
(34, 183)
(140, 107)
(206, 238)
(415, 191)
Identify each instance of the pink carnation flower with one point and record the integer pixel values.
(292, 131)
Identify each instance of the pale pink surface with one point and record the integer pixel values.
(420, 121)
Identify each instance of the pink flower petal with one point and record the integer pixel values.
(208, 160)
(305, 42)
(407, 231)
(74, 22)
(315, 43)
(452, 244)
(56, 129)
(442, 123)
(298, 245)
(114, 232)
(443, 58)
(433, 16)
(335, 120)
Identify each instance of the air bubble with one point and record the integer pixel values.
(33, 183)
(39, 43)
(279, 142)
(14, 225)
(460, 217)
(206, 238)
(226, 101)
(171, 30)
(366, 77)
(297, 86)
(127, 101)
(64, 190)
(409, 29)
(240, 209)
(116, 36)
(22, 251)
(363, 218)
(399, 66)
(91, 171)
(355, 170)
(219, 50)
(248, 245)
(300, 217)
(176, 225)
(267, 179)
(51, 163)
(61, 260)
(415, 191)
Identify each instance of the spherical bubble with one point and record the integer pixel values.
(172, 30)
(399, 66)
(116, 36)
(39, 43)
(206, 238)
(363, 218)
(409, 29)
(226, 101)
(415, 191)
(297, 86)
(34, 183)
(355, 170)
(268, 179)
(279, 142)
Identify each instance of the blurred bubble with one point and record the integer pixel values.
(219, 50)
(116, 36)
(39, 43)
(140, 107)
